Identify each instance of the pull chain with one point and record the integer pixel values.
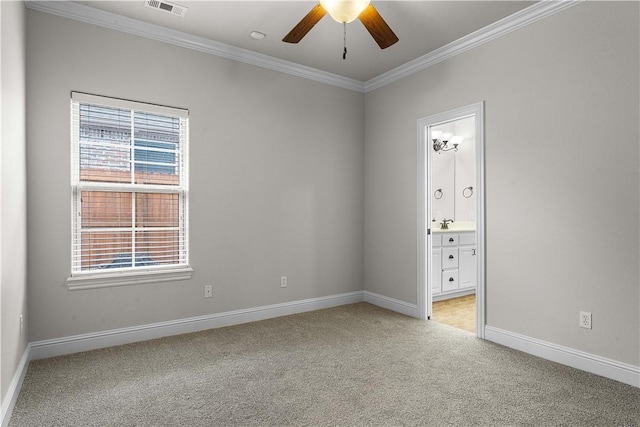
(344, 53)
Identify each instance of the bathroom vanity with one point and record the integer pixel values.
(454, 263)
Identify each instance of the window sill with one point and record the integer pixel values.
(108, 280)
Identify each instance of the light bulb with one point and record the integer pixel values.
(456, 139)
(344, 11)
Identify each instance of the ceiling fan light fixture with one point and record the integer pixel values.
(344, 11)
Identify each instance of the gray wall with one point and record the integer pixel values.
(280, 185)
(13, 199)
(277, 178)
(562, 183)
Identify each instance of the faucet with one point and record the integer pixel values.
(444, 225)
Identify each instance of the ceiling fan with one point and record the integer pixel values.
(345, 11)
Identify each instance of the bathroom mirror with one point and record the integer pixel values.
(453, 173)
(443, 182)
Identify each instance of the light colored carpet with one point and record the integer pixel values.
(355, 365)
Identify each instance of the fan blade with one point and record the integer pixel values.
(379, 30)
(305, 25)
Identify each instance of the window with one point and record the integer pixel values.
(130, 186)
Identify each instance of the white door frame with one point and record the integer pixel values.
(424, 209)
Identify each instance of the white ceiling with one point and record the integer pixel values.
(421, 26)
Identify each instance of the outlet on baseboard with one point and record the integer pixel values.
(585, 319)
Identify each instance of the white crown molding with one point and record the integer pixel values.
(520, 19)
(90, 15)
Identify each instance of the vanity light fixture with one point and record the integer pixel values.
(441, 141)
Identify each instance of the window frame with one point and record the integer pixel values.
(98, 278)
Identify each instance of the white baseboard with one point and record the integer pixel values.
(114, 337)
(14, 388)
(391, 304)
(608, 368)
(77, 343)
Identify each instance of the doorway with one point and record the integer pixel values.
(451, 213)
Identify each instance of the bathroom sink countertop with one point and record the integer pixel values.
(456, 227)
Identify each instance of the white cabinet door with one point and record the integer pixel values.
(449, 280)
(449, 258)
(436, 271)
(467, 266)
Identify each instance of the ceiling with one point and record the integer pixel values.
(421, 26)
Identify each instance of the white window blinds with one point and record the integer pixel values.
(130, 186)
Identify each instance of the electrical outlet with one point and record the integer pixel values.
(283, 281)
(208, 291)
(585, 319)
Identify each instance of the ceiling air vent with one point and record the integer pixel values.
(166, 6)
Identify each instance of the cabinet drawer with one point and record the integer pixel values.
(468, 239)
(436, 240)
(449, 239)
(449, 280)
(449, 258)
